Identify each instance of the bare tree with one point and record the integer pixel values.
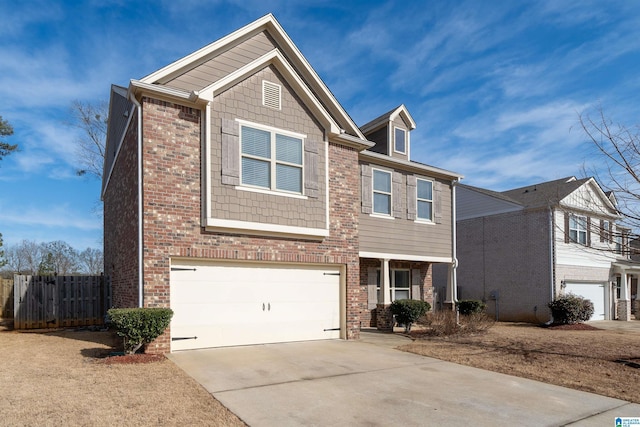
(61, 257)
(3, 260)
(91, 261)
(26, 257)
(91, 118)
(619, 172)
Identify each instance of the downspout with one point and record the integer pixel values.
(133, 99)
(454, 246)
(552, 244)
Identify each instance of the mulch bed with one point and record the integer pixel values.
(129, 359)
(573, 327)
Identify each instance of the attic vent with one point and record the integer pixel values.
(271, 95)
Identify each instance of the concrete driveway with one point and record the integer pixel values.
(369, 383)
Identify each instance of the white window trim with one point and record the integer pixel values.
(406, 140)
(373, 193)
(272, 169)
(392, 282)
(433, 203)
(578, 218)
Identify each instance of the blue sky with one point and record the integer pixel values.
(495, 87)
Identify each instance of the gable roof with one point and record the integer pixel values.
(491, 193)
(544, 194)
(287, 58)
(389, 116)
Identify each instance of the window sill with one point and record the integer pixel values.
(424, 221)
(381, 216)
(271, 192)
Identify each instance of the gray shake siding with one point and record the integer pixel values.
(244, 101)
(507, 253)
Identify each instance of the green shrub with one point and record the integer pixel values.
(408, 311)
(139, 326)
(571, 308)
(470, 306)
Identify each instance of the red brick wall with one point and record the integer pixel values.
(172, 213)
(368, 318)
(121, 223)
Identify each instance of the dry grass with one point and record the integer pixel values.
(59, 378)
(579, 359)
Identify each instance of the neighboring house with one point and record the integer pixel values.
(520, 249)
(238, 192)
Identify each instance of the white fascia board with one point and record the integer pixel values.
(275, 58)
(382, 159)
(172, 93)
(269, 23)
(405, 257)
(209, 49)
(402, 110)
(258, 228)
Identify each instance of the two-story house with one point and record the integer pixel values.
(238, 192)
(525, 247)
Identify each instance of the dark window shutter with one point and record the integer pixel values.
(412, 182)
(230, 152)
(367, 191)
(311, 157)
(566, 227)
(372, 287)
(588, 231)
(610, 234)
(437, 201)
(602, 231)
(396, 196)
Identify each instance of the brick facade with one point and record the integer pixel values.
(121, 223)
(369, 316)
(172, 213)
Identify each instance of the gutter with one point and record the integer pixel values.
(552, 243)
(133, 99)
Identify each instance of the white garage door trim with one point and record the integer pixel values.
(220, 303)
(595, 292)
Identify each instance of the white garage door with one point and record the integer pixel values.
(227, 304)
(593, 292)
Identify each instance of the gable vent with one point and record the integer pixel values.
(271, 95)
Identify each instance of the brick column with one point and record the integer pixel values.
(384, 318)
(624, 309)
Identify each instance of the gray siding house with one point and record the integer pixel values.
(522, 248)
(239, 192)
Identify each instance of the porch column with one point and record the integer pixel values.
(384, 318)
(451, 297)
(624, 303)
(385, 285)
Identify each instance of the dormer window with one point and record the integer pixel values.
(400, 141)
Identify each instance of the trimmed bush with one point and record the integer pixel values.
(408, 311)
(470, 306)
(139, 326)
(570, 308)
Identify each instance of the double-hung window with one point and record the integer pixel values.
(381, 192)
(400, 140)
(424, 199)
(578, 229)
(400, 285)
(271, 160)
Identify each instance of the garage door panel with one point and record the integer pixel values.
(593, 292)
(239, 304)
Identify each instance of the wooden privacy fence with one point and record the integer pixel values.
(6, 298)
(60, 301)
